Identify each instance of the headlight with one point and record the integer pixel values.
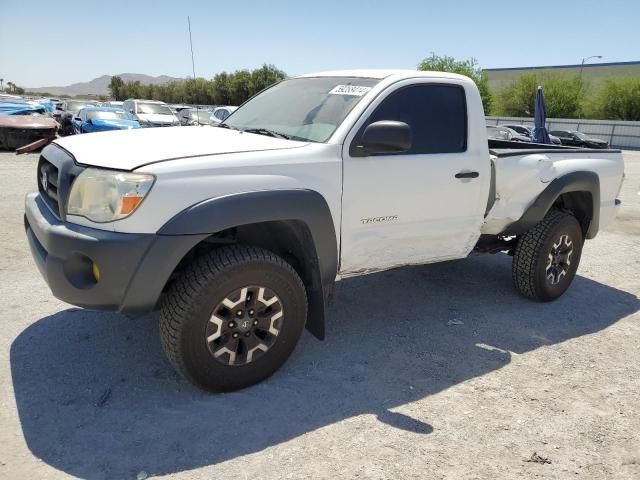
(107, 195)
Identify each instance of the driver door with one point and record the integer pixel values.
(422, 205)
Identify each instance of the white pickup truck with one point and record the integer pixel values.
(239, 232)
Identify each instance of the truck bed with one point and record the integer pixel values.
(521, 171)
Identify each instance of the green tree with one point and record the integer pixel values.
(266, 76)
(224, 89)
(468, 68)
(564, 95)
(221, 89)
(199, 91)
(618, 99)
(240, 86)
(115, 87)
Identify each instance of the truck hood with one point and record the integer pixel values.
(131, 149)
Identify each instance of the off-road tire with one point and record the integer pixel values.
(532, 253)
(187, 308)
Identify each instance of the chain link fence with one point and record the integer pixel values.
(619, 134)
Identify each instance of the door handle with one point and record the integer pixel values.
(467, 175)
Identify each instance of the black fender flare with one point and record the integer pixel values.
(307, 206)
(572, 182)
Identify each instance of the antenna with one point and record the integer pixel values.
(193, 65)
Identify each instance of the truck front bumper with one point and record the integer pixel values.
(100, 269)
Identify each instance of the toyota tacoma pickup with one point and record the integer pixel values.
(237, 233)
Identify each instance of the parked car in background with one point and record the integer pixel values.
(75, 105)
(554, 139)
(177, 108)
(528, 132)
(220, 114)
(151, 113)
(65, 113)
(49, 103)
(113, 104)
(19, 130)
(194, 116)
(21, 108)
(574, 138)
(500, 132)
(102, 119)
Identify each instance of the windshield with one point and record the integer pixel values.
(519, 129)
(158, 108)
(76, 106)
(107, 115)
(499, 133)
(308, 109)
(581, 135)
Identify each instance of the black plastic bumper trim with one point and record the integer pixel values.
(133, 267)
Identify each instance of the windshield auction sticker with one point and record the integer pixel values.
(353, 90)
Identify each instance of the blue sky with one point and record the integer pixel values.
(47, 43)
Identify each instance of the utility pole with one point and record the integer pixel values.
(193, 65)
(585, 59)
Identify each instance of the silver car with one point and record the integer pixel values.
(220, 114)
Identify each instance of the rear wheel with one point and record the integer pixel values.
(547, 256)
(233, 317)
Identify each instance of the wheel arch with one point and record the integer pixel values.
(295, 224)
(578, 192)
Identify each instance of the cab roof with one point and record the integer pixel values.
(382, 73)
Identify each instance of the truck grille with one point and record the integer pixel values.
(48, 184)
(54, 182)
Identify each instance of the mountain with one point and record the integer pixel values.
(100, 85)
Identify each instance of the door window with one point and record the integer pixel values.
(437, 115)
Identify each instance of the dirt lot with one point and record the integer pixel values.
(440, 371)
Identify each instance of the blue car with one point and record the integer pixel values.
(102, 119)
(21, 108)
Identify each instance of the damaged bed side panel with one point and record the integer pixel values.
(520, 179)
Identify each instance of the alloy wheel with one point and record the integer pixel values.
(244, 325)
(559, 259)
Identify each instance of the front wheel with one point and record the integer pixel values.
(233, 317)
(547, 256)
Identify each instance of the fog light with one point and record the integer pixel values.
(96, 272)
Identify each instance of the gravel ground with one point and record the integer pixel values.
(440, 371)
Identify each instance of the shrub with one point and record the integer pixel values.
(564, 96)
(619, 100)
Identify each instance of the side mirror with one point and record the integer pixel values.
(385, 136)
(131, 111)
